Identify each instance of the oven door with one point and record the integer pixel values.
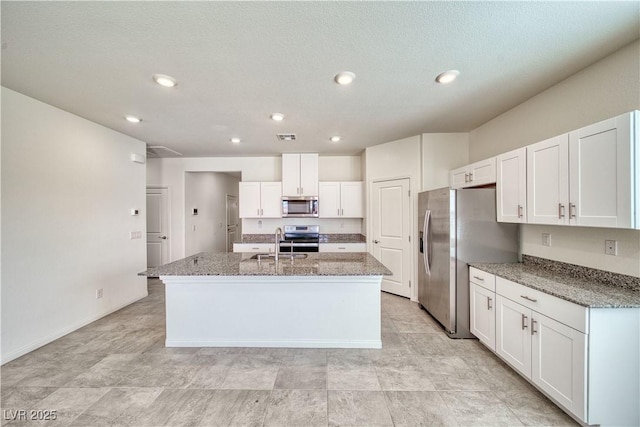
(285, 246)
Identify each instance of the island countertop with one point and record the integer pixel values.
(240, 264)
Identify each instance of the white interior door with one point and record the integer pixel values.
(233, 221)
(157, 226)
(391, 225)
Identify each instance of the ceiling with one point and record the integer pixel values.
(238, 62)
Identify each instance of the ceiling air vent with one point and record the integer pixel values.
(161, 151)
(286, 136)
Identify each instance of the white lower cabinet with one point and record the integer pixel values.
(585, 359)
(343, 247)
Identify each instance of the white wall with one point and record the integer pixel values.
(207, 191)
(171, 173)
(442, 152)
(397, 159)
(68, 186)
(605, 89)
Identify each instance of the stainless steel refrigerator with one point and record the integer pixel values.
(458, 227)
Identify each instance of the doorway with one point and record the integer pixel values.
(391, 232)
(157, 226)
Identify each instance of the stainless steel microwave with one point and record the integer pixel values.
(299, 207)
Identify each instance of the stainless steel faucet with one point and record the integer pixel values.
(278, 236)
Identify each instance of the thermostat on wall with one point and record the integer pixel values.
(135, 212)
(195, 211)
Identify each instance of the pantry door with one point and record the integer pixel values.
(157, 226)
(391, 233)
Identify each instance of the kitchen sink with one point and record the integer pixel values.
(282, 255)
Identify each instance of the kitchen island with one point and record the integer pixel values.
(320, 300)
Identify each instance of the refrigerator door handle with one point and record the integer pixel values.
(425, 232)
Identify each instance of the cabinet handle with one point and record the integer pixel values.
(572, 210)
(489, 305)
(341, 212)
(261, 212)
(255, 249)
(524, 322)
(519, 211)
(338, 212)
(258, 212)
(470, 177)
(341, 247)
(560, 211)
(533, 326)
(466, 177)
(528, 298)
(478, 278)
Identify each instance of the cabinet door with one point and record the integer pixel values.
(513, 339)
(343, 247)
(271, 199)
(291, 174)
(249, 199)
(548, 181)
(559, 362)
(253, 247)
(601, 169)
(329, 200)
(482, 172)
(309, 174)
(458, 178)
(483, 316)
(351, 199)
(511, 186)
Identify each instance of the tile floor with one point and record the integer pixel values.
(116, 371)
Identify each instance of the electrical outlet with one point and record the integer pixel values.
(546, 239)
(611, 247)
(99, 293)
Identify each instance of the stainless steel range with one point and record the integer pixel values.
(300, 238)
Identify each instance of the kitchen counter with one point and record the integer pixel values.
(324, 238)
(326, 300)
(240, 264)
(580, 285)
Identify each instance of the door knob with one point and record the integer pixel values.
(376, 241)
(163, 237)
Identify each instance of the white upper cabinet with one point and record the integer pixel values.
(601, 173)
(511, 186)
(341, 199)
(548, 181)
(300, 174)
(260, 199)
(586, 177)
(474, 175)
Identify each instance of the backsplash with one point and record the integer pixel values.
(580, 272)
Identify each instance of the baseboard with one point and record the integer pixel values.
(59, 334)
(279, 343)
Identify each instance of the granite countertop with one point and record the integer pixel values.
(324, 238)
(240, 264)
(585, 291)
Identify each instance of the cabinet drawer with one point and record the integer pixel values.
(343, 247)
(482, 278)
(566, 312)
(253, 247)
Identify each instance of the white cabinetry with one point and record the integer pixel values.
(340, 199)
(260, 199)
(511, 186)
(254, 247)
(483, 297)
(544, 338)
(586, 177)
(300, 174)
(343, 247)
(473, 175)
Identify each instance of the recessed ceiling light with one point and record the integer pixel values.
(335, 138)
(164, 80)
(133, 119)
(278, 117)
(235, 140)
(344, 77)
(447, 76)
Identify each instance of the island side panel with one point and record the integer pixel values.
(263, 311)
